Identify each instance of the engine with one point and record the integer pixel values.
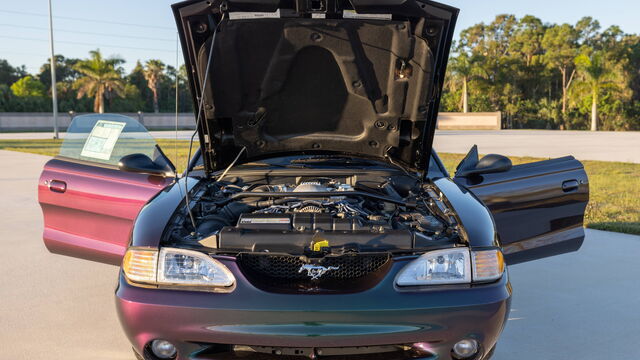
(302, 216)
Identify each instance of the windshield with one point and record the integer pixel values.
(106, 138)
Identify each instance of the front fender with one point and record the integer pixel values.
(154, 216)
(476, 219)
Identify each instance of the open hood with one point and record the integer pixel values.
(353, 77)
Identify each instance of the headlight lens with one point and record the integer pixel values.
(452, 266)
(184, 267)
(449, 266)
(176, 267)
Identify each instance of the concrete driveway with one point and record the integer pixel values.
(582, 305)
(577, 306)
(51, 307)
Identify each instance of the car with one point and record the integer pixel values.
(314, 221)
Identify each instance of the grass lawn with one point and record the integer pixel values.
(615, 187)
(177, 151)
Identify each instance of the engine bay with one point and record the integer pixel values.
(314, 215)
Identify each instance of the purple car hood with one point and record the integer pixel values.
(352, 77)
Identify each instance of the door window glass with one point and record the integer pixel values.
(106, 138)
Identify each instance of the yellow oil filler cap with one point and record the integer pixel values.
(318, 246)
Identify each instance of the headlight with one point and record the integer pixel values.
(184, 267)
(176, 268)
(452, 266)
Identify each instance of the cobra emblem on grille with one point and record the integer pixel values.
(315, 272)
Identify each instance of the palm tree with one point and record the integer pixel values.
(100, 77)
(153, 72)
(463, 69)
(596, 75)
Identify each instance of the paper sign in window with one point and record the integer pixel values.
(102, 140)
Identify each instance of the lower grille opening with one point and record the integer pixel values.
(388, 352)
(333, 273)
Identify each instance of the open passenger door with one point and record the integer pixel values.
(88, 203)
(538, 208)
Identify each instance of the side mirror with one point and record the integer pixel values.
(492, 164)
(489, 164)
(142, 164)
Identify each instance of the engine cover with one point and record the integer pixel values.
(301, 242)
(307, 222)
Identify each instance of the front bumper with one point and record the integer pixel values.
(379, 316)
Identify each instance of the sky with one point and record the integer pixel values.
(144, 29)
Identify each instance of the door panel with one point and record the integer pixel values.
(94, 217)
(89, 206)
(538, 208)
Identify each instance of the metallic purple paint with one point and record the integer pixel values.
(93, 218)
(248, 316)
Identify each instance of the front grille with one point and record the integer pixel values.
(237, 352)
(345, 273)
(397, 355)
